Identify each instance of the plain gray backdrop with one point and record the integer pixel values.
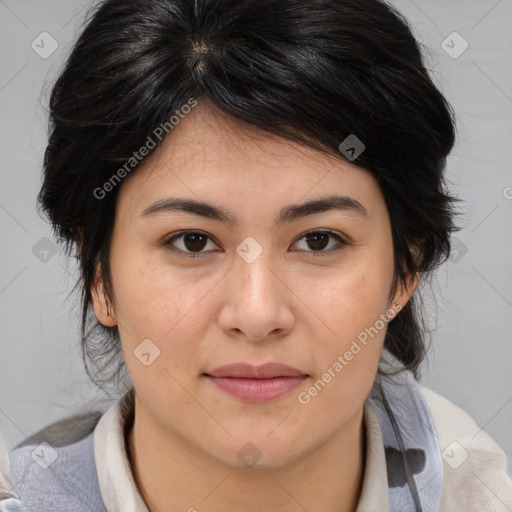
(41, 371)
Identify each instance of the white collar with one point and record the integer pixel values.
(117, 485)
(120, 494)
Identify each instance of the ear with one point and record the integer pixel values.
(102, 307)
(404, 293)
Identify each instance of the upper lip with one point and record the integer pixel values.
(248, 371)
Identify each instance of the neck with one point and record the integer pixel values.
(172, 475)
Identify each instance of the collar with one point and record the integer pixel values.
(117, 485)
(119, 490)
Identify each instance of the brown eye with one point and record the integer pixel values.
(317, 241)
(194, 241)
(190, 243)
(194, 244)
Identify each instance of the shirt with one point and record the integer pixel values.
(479, 483)
(99, 475)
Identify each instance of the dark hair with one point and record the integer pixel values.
(311, 71)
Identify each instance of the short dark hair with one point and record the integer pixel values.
(311, 71)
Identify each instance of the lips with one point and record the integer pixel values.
(247, 371)
(256, 383)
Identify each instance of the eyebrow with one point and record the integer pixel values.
(288, 213)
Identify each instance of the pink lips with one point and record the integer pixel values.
(257, 383)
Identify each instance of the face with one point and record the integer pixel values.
(259, 282)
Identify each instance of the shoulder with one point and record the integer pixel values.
(474, 465)
(57, 472)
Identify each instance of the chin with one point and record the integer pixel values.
(257, 453)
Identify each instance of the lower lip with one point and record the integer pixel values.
(257, 390)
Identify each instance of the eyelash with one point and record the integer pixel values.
(342, 243)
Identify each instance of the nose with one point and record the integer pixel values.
(257, 302)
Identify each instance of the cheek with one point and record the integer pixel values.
(170, 308)
(350, 301)
(347, 308)
(349, 350)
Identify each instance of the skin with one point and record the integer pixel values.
(292, 304)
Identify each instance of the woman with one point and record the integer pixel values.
(255, 192)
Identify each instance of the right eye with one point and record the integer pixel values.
(190, 243)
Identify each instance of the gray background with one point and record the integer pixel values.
(41, 374)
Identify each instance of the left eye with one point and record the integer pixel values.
(192, 243)
(318, 241)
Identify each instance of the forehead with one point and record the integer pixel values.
(211, 155)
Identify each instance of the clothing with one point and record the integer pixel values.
(9, 499)
(93, 474)
(6, 485)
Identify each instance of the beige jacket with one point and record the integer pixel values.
(475, 478)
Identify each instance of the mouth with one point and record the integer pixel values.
(256, 383)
